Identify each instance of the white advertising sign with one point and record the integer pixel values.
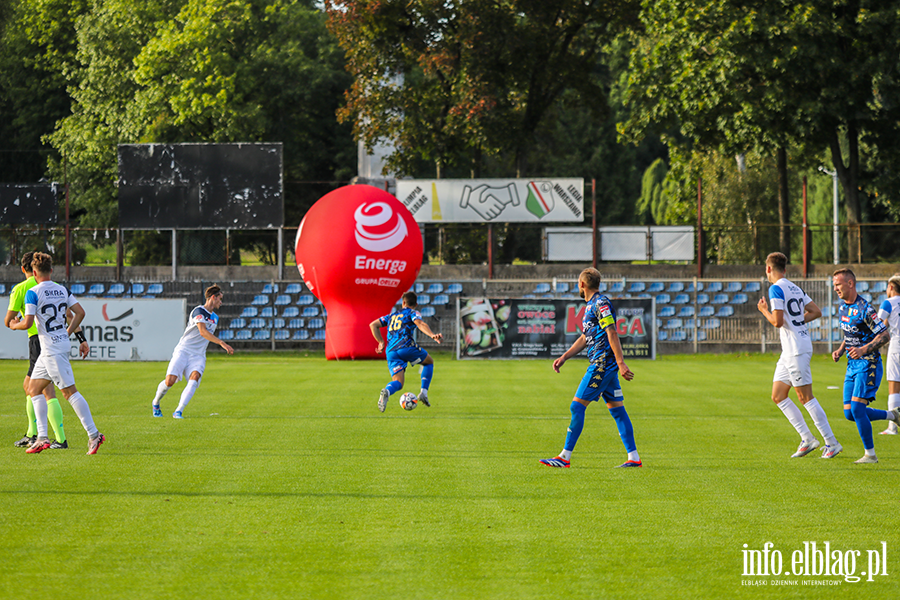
(541, 199)
(116, 329)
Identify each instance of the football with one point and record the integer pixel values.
(409, 401)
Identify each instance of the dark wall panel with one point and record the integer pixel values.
(22, 204)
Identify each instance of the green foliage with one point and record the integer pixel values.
(652, 203)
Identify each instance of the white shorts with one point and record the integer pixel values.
(55, 368)
(892, 366)
(794, 370)
(182, 365)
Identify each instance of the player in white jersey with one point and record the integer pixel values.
(791, 310)
(189, 356)
(890, 314)
(47, 304)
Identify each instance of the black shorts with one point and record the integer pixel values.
(34, 350)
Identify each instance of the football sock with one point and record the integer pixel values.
(55, 419)
(565, 454)
(623, 423)
(794, 415)
(427, 372)
(893, 402)
(161, 390)
(393, 387)
(575, 425)
(821, 421)
(187, 394)
(863, 424)
(84, 413)
(40, 414)
(29, 410)
(634, 456)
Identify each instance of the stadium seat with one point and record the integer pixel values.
(455, 288)
(2, 288)
(681, 299)
(116, 289)
(427, 311)
(706, 311)
(732, 287)
(690, 287)
(879, 301)
(268, 312)
(636, 286)
(282, 334)
(679, 335)
(293, 288)
(666, 311)
(689, 324)
(674, 323)
(656, 287)
(261, 334)
(315, 323)
(137, 288)
(291, 312)
(258, 323)
(561, 287)
(862, 286)
(296, 324)
(238, 323)
(249, 312)
(663, 335)
(424, 298)
(643, 295)
(751, 287)
(310, 311)
(282, 300)
(278, 323)
(702, 298)
(686, 312)
(616, 287)
(740, 298)
(260, 300)
(418, 288)
(713, 287)
(541, 288)
(675, 287)
(659, 323)
(319, 334)
(300, 334)
(270, 288)
(663, 299)
(602, 287)
(878, 287)
(77, 289)
(434, 288)
(306, 299)
(701, 336)
(242, 334)
(225, 335)
(441, 299)
(720, 299)
(155, 288)
(725, 311)
(96, 289)
(712, 323)
(867, 296)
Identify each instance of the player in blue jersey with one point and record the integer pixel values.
(791, 310)
(402, 347)
(890, 314)
(864, 334)
(189, 356)
(47, 304)
(604, 351)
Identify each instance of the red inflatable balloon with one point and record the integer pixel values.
(358, 250)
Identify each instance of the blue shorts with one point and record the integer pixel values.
(597, 382)
(863, 378)
(397, 359)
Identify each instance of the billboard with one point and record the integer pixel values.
(200, 186)
(116, 329)
(22, 204)
(536, 200)
(508, 328)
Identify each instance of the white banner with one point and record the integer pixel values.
(116, 329)
(493, 200)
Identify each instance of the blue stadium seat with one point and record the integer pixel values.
(752, 287)
(706, 311)
(296, 324)
(643, 295)
(96, 289)
(878, 287)
(690, 287)
(427, 311)
(712, 323)
(282, 300)
(862, 286)
(455, 288)
(310, 311)
(2, 288)
(561, 287)
(713, 287)
(740, 298)
(663, 299)
(720, 299)
(116, 289)
(616, 287)
(541, 288)
(681, 299)
(666, 311)
(261, 334)
(260, 300)
(435, 288)
(424, 298)
(867, 296)
(268, 312)
(725, 311)
(315, 323)
(679, 335)
(278, 323)
(319, 334)
(225, 335)
(732, 287)
(686, 311)
(155, 288)
(293, 288)
(137, 288)
(689, 324)
(418, 288)
(674, 323)
(270, 288)
(291, 312)
(662, 335)
(300, 334)
(243, 334)
(701, 336)
(306, 299)
(659, 323)
(281, 334)
(636, 286)
(249, 312)
(879, 301)
(656, 287)
(675, 287)
(702, 298)
(441, 299)
(238, 323)
(602, 287)
(258, 324)
(77, 289)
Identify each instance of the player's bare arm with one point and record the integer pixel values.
(10, 315)
(616, 346)
(576, 347)
(207, 335)
(774, 317)
(375, 326)
(880, 340)
(83, 348)
(837, 354)
(424, 328)
(811, 312)
(76, 319)
(23, 324)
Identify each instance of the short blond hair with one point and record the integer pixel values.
(850, 275)
(591, 278)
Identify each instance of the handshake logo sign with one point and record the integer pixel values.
(489, 201)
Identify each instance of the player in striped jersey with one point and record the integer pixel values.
(890, 314)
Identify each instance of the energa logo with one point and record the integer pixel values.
(378, 228)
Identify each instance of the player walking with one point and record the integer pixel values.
(189, 356)
(47, 303)
(604, 351)
(402, 347)
(791, 310)
(864, 334)
(890, 314)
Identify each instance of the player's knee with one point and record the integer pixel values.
(848, 414)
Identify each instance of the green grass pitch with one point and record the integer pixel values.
(284, 481)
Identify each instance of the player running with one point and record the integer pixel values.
(47, 303)
(604, 351)
(189, 356)
(890, 314)
(864, 334)
(402, 347)
(791, 310)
